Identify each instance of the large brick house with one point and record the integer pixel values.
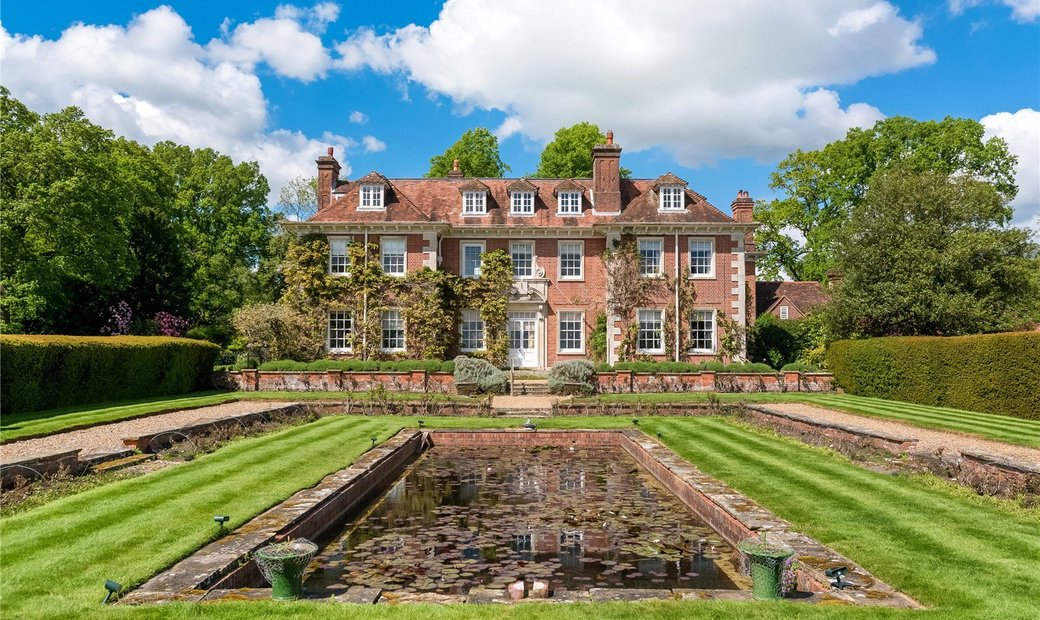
(556, 232)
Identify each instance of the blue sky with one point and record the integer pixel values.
(715, 92)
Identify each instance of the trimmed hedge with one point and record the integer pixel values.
(360, 365)
(671, 367)
(44, 372)
(992, 373)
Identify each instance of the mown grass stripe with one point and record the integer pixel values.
(987, 420)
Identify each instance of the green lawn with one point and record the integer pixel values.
(40, 423)
(1002, 428)
(965, 557)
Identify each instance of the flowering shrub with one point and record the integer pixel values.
(789, 576)
(167, 324)
(119, 320)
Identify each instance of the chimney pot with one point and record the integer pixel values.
(455, 165)
(610, 137)
(331, 151)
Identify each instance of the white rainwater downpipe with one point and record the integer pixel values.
(364, 305)
(677, 296)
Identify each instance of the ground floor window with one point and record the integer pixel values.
(471, 331)
(572, 332)
(341, 326)
(702, 331)
(393, 331)
(651, 331)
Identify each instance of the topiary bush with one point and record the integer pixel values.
(44, 372)
(488, 378)
(577, 375)
(992, 373)
(360, 365)
(800, 367)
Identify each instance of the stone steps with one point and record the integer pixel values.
(530, 388)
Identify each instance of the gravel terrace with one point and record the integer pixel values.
(109, 437)
(928, 440)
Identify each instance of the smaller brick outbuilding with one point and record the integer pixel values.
(788, 300)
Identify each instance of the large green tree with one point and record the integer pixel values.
(477, 152)
(929, 253)
(819, 189)
(569, 154)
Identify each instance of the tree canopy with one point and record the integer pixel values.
(929, 253)
(477, 152)
(820, 188)
(299, 198)
(569, 154)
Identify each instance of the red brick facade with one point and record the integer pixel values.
(428, 213)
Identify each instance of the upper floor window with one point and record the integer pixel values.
(474, 203)
(651, 261)
(672, 198)
(471, 261)
(521, 203)
(522, 253)
(784, 312)
(339, 262)
(392, 331)
(372, 197)
(392, 255)
(569, 203)
(341, 326)
(471, 331)
(702, 331)
(702, 257)
(571, 259)
(651, 331)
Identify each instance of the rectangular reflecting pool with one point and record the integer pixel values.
(575, 517)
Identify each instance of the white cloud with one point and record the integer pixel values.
(373, 144)
(288, 43)
(358, 117)
(316, 18)
(1021, 131)
(705, 80)
(1022, 11)
(508, 127)
(151, 81)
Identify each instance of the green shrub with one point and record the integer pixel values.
(360, 365)
(992, 373)
(801, 367)
(750, 367)
(675, 367)
(488, 378)
(580, 372)
(44, 372)
(604, 367)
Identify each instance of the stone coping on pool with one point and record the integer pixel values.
(223, 569)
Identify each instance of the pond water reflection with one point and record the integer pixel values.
(577, 518)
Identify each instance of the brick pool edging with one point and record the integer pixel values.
(222, 570)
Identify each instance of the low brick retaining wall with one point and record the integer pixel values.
(889, 442)
(39, 466)
(158, 440)
(617, 382)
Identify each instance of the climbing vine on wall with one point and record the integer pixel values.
(489, 294)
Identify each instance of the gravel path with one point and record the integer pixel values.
(928, 440)
(109, 437)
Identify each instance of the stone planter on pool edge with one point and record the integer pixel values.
(282, 564)
(766, 562)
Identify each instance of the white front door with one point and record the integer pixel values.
(523, 347)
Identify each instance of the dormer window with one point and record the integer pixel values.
(521, 203)
(474, 203)
(569, 203)
(672, 198)
(372, 197)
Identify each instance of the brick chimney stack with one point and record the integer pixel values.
(456, 172)
(606, 176)
(744, 211)
(328, 178)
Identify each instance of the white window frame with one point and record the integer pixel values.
(373, 195)
(660, 262)
(639, 331)
(474, 202)
(383, 318)
(671, 198)
(333, 263)
(567, 196)
(521, 202)
(581, 260)
(689, 257)
(462, 258)
(404, 255)
(513, 244)
(347, 336)
(714, 330)
(471, 316)
(785, 312)
(580, 350)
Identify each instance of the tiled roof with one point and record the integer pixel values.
(439, 200)
(668, 179)
(521, 185)
(802, 295)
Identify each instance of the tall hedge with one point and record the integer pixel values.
(992, 373)
(42, 372)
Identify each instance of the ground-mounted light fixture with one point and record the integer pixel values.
(422, 423)
(836, 574)
(221, 520)
(635, 421)
(659, 435)
(111, 588)
(529, 425)
(374, 438)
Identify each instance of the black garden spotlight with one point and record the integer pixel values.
(422, 423)
(658, 435)
(221, 520)
(374, 438)
(635, 421)
(836, 574)
(111, 587)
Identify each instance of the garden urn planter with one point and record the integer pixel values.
(282, 565)
(766, 564)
